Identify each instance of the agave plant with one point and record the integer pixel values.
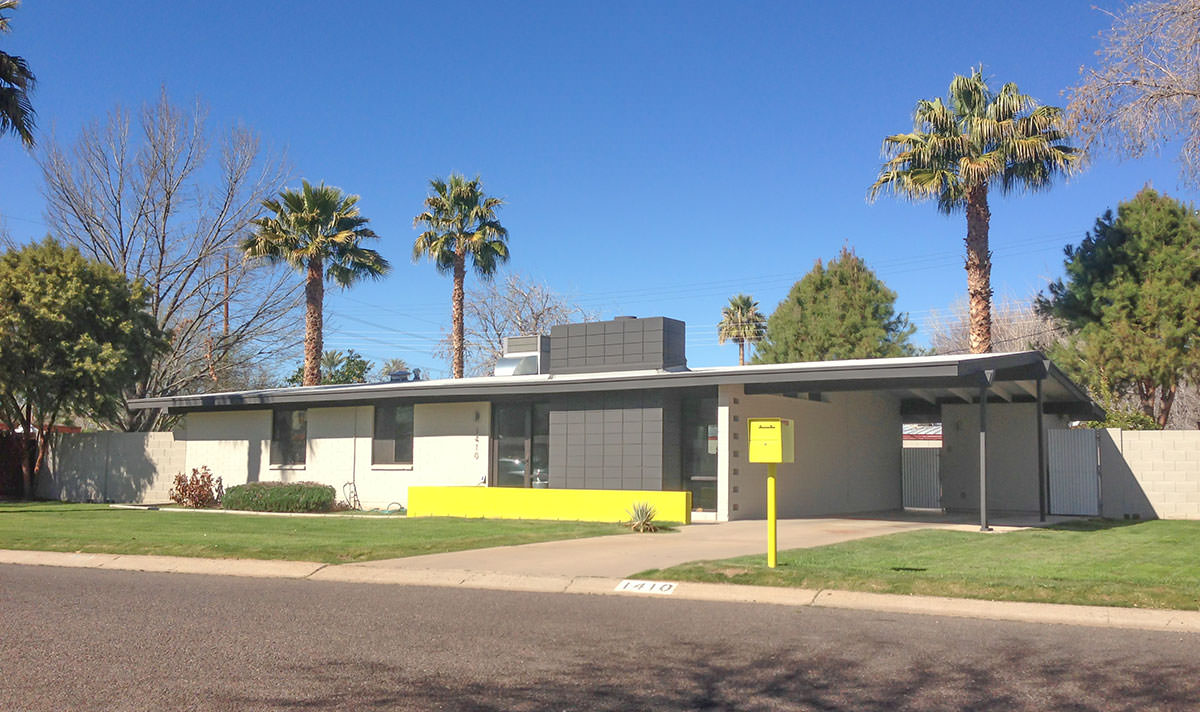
(641, 517)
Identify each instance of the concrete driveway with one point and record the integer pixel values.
(625, 554)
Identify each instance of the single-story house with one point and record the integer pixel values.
(612, 405)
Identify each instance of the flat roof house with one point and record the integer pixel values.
(613, 406)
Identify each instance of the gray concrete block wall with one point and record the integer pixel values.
(617, 345)
(112, 466)
(1150, 474)
(608, 441)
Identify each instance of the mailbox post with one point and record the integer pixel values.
(772, 441)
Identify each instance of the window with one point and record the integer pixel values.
(392, 443)
(289, 436)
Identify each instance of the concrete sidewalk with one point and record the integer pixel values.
(1142, 619)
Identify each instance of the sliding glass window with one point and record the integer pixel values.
(392, 441)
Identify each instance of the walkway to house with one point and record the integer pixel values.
(624, 554)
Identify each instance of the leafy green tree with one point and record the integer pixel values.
(16, 81)
(1132, 298)
(319, 231)
(73, 335)
(741, 323)
(337, 368)
(837, 311)
(961, 148)
(460, 225)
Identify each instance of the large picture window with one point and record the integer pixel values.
(289, 436)
(392, 443)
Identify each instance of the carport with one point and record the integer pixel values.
(995, 410)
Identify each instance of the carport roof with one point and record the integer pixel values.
(923, 384)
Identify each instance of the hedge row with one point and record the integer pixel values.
(280, 497)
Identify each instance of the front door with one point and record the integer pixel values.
(521, 445)
(700, 451)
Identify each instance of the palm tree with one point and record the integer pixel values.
(741, 322)
(316, 230)
(958, 150)
(460, 224)
(16, 81)
(332, 360)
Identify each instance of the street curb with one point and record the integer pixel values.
(1046, 613)
(255, 568)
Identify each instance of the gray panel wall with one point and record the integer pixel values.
(611, 441)
(618, 345)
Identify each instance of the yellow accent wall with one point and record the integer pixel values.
(565, 504)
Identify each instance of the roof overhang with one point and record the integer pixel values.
(922, 383)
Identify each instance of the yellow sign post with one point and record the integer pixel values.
(772, 441)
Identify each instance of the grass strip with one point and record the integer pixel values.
(97, 528)
(1153, 564)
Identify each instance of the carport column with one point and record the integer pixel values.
(1042, 479)
(983, 396)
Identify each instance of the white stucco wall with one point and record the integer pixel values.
(848, 453)
(234, 445)
(1012, 456)
(450, 447)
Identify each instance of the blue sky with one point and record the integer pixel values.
(656, 157)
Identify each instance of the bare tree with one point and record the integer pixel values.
(1016, 326)
(1146, 87)
(514, 306)
(162, 200)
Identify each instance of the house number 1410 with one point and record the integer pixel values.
(635, 586)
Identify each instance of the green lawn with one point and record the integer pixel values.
(1152, 564)
(97, 528)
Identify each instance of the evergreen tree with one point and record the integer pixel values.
(1131, 297)
(837, 311)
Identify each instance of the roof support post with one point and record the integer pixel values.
(1043, 475)
(983, 398)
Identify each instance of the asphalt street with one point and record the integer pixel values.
(86, 639)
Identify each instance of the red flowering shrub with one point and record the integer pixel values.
(198, 491)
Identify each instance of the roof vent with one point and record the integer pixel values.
(400, 376)
(623, 318)
(524, 355)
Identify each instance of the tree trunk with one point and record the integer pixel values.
(456, 313)
(1167, 400)
(26, 468)
(979, 270)
(314, 338)
(741, 353)
(1146, 393)
(27, 472)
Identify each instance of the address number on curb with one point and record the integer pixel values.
(663, 588)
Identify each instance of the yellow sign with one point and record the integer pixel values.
(772, 440)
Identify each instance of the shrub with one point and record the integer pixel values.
(198, 491)
(641, 517)
(281, 497)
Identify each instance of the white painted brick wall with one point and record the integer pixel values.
(1165, 468)
(112, 466)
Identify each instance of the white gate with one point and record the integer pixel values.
(919, 470)
(1074, 471)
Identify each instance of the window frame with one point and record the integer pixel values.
(399, 439)
(291, 451)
